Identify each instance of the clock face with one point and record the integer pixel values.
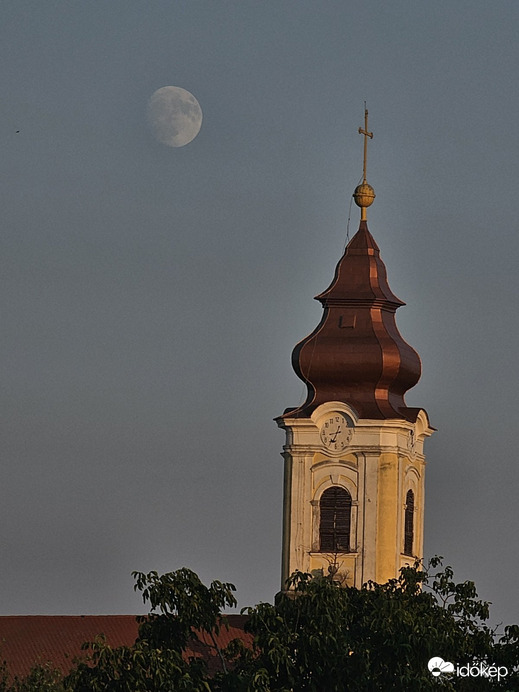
(336, 432)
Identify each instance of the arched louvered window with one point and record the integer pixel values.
(334, 521)
(409, 523)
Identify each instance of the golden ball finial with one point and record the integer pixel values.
(364, 195)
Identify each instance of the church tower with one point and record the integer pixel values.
(353, 501)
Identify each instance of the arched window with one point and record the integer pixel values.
(334, 521)
(409, 523)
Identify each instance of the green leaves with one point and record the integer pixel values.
(183, 595)
(43, 678)
(138, 668)
(322, 636)
(182, 609)
(318, 636)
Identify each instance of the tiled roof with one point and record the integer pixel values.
(27, 640)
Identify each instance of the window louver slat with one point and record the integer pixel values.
(334, 521)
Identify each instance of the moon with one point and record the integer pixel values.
(175, 116)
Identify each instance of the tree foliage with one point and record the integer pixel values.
(322, 636)
(42, 678)
(182, 609)
(318, 636)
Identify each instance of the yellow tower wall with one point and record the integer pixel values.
(388, 497)
(382, 460)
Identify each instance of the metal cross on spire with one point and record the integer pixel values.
(366, 134)
(364, 194)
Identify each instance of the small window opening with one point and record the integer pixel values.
(409, 523)
(335, 521)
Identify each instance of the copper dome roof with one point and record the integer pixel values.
(356, 354)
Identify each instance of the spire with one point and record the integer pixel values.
(356, 354)
(364, 194)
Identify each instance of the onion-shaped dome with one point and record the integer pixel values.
(356, 354)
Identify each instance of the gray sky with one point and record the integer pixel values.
(152, 296)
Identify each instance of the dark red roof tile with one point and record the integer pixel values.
(28, 640)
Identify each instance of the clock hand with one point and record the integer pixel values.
(336, 433)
